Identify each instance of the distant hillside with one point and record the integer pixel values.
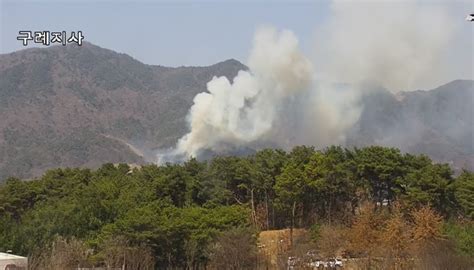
(84, 106)
(77, 106)
(439, 122)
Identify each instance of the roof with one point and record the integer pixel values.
(8, 256)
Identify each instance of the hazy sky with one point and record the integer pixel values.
(171, 33)
(175, 33)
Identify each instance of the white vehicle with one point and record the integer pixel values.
(329, 264)
(318, 263)
(291, 262)
(10, 261)
(334, 264)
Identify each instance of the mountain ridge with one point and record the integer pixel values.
(55, 104)
(437, 122)
(76, 105)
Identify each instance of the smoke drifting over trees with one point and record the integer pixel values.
(245, 110)
(285, 99)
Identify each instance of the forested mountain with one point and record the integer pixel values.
(84, 106)
(439, 122)
(385, 209)
(80, 106)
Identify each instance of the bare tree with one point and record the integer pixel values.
(364, 235)
(395, 240)
(331, 240)
(192, 251)
(234, 249)
(427, 227)
(118, 252)
(442, 255)
(432, 249)
(61, 254)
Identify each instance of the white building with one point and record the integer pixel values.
(12, 262)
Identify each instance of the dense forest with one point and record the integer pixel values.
(373, 203)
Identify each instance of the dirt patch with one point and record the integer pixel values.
(275, 243)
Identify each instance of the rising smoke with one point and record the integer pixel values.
(285, 99)
(396, 44)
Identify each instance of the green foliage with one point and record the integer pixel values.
(177, 211)
(464, 192)
(291, 183)
(315, 232)
(462, 234)
(430, 185)
(381, 168)
(330, 176)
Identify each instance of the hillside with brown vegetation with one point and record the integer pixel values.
(85, 106)
(61, 106)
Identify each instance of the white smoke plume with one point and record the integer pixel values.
(245, 110)
(400, 45)
(285, 100)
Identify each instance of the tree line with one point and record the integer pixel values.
(174, 215)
